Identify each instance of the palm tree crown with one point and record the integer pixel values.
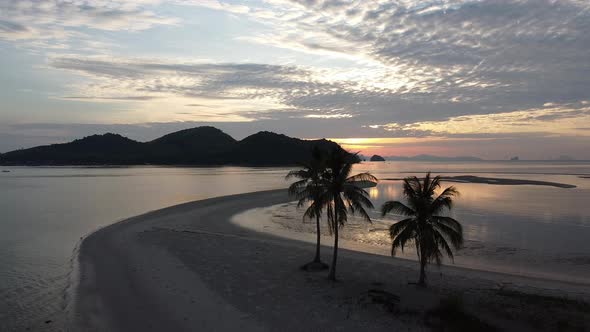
(308, 186)
(433, 234)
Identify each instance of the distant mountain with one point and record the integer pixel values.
(427, 157)
(196, 146)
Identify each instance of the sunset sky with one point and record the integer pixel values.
(492, 79)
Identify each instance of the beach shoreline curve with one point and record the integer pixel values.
(174, 269)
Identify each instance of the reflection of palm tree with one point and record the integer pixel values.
(308, 189)
(432, 234)
(342, 193)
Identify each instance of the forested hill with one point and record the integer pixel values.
(197, 146)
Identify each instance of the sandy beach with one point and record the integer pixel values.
(188, 268)
(498, 181)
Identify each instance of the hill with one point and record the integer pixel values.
(267, 148)
(96, 149)
(197, 146)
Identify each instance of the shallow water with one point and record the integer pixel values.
(45, 212)
(538, 231)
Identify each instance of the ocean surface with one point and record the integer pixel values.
(45, 211)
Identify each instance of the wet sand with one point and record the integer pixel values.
(189, 268)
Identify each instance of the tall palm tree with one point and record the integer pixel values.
(308, 189)
(433, 234)
(343, 193)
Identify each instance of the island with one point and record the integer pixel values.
(377, 157)
(497, 181)
(201, 146)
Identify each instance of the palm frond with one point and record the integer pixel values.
(396, 228)
(404, 233)
(412, 188)
(397, 208)
(441, 242)
(296, 187)
(363, 177)
(357, 207)
(340, 209)
(302, 173)
(433, 184)
(425, 185)
(444, 200)
(358, 195)
(450, 228)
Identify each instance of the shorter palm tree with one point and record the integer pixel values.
(433, 234)
(308, 189)
(343, 193)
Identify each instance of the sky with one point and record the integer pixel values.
(486, 78)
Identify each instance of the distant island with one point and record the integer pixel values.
(377, 157)
(200, 146)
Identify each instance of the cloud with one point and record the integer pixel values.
(404, 68)
(95, 98)
(487, 54)
(551, 119)
(149, 79)
(328, 116)
(405, 61)
(45, 23)
(12, 27)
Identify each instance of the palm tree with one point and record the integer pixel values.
(343, 193)
(432, 233)
(309, 189)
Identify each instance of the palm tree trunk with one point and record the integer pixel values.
(332, 273)
(317, 258)
(422, 281)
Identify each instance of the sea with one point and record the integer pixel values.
(46, 211)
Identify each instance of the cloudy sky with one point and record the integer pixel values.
(489, 78)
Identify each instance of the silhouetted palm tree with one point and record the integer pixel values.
(432, 233)
(308, 189)
(343, 193)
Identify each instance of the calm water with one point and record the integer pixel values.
(537, 231)
(530, 230)
(45, 211)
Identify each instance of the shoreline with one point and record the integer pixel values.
(260, 220)
(188, 266)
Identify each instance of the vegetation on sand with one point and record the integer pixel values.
(433, 234)
(308, 189)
